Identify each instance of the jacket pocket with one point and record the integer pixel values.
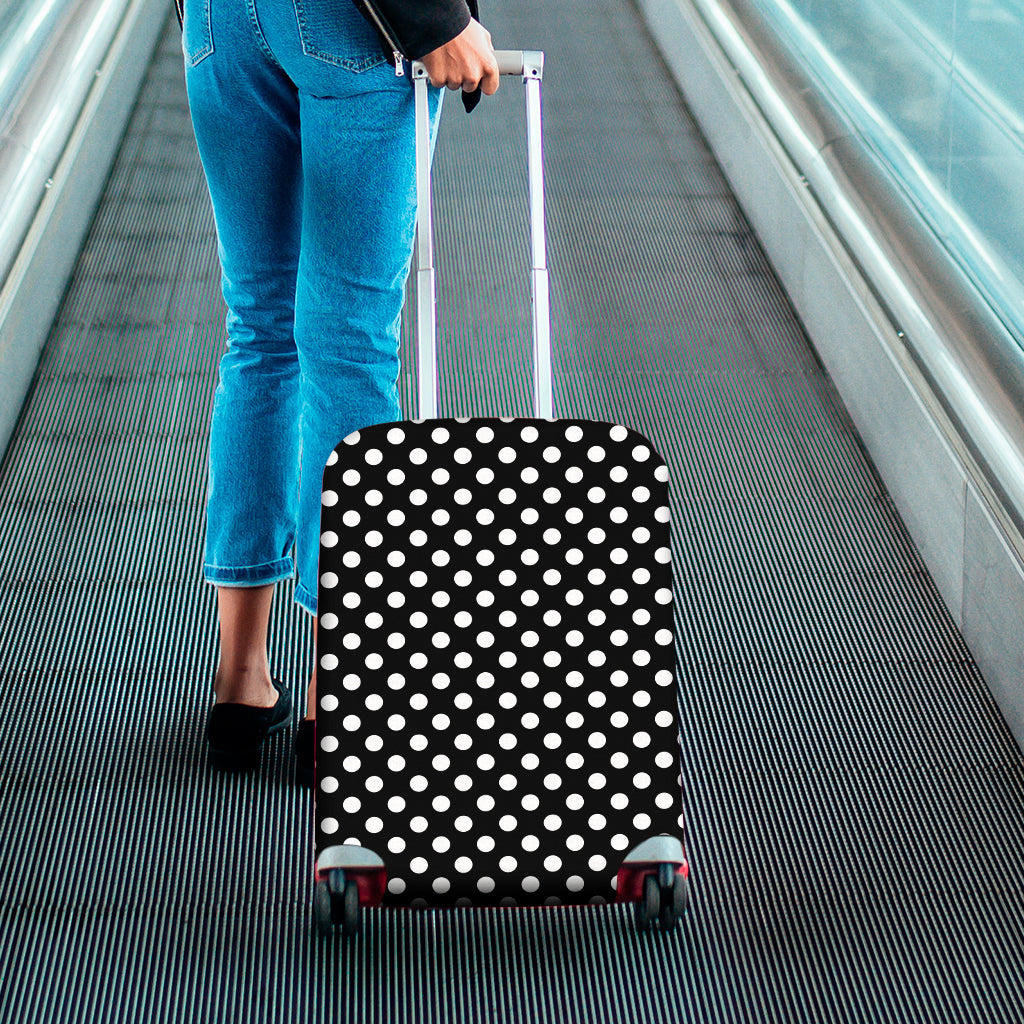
(196, 35)
(336, 33)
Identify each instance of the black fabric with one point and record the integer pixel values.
(421, 26)
(418, 28)
(497, 716)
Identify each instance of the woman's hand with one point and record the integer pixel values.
(467, 61)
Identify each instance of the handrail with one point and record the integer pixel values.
(66, 94)
(972, 361)
(47, 96)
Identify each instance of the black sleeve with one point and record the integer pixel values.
(424, 25)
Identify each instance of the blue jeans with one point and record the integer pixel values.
(306, 137)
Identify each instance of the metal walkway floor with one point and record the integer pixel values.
(855, 803)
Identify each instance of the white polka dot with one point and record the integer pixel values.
(329, 826)
(485, 885)
(463, 865)
(597, 781)
(574, 883)
(485, 435)
(396, 844)
(552, 822)
(597, 863)
(574, 434)
(463, 783)
(374, 825)
(418, 865)
(665, 801)
(463, 496)
(552, 495)
(664, 719)
(418, 824)
(463, 823)
(529, 475)
(642, 821)
(596, 453)
(329, 580)
(463, 456)
(440, 435)
(396, 763)
(508, 864)
(485, 844)
(575, 802)
(440, 476)
(396, 804)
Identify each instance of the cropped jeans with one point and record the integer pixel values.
(306, 138)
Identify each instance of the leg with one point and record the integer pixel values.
(357, 245)
(245, 115)
(243, 675)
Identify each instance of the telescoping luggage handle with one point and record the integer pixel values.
(529, 64)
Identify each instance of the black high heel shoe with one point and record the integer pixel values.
(305, 752)
(237, 732)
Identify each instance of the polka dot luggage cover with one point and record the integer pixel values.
(497, 717)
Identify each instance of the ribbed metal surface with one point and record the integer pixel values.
(855, 804)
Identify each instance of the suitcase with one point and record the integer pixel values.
(497, 719)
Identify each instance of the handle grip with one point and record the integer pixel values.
(524, 63)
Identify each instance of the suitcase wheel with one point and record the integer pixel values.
(336, 901)
(665, 897)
